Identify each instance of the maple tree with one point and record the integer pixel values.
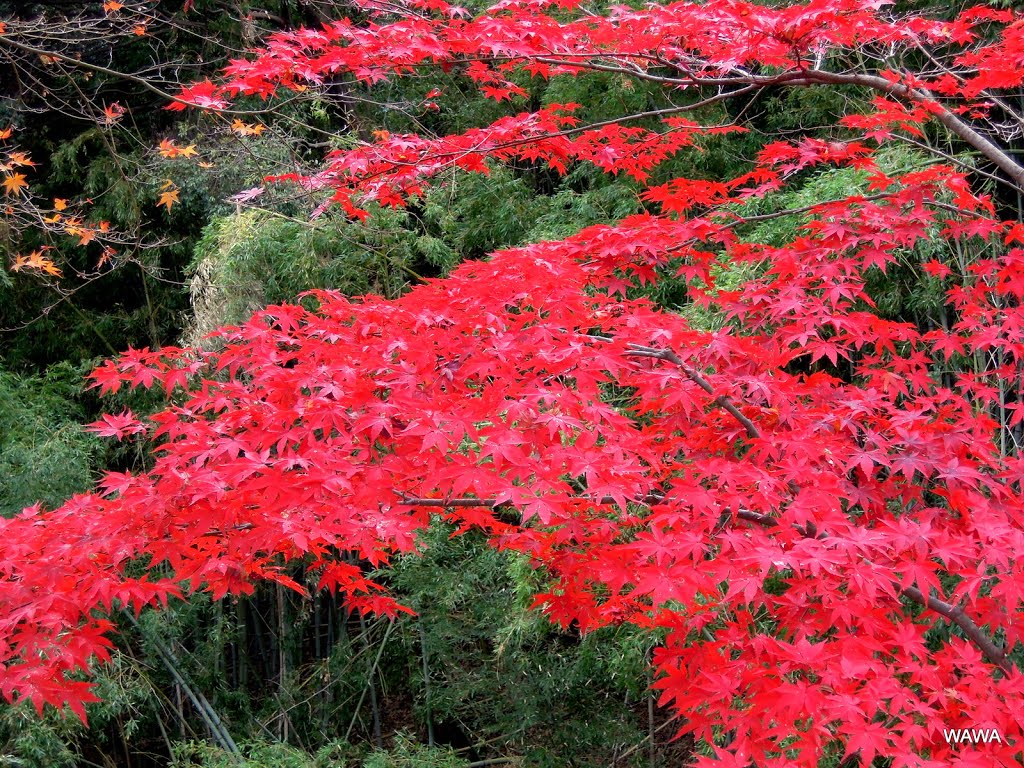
(809, 503)
(38, 50)
(83, 153)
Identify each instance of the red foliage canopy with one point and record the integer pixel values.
(797, 501)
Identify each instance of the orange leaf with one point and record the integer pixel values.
(19, 158)
(171, 150)
(112, 6)
(247, 129)
(59, 203)
(139, 29)
(112, 113)
(168, 198)
(36, 260)
(6, 133)
(14, 183)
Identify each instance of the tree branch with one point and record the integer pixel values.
(971, 136)
(723, 401)
(464, 502)
(957, 615)
(997, 156)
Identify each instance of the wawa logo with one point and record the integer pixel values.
(972, 736)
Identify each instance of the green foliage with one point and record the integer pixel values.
(45, 454)
(248, 259)
(97, 310)
(475, 215)
(404, 753)
(407, 753)
(257, 754)
(58, 739)
(903, 291)
(583, 199)
(33, 742)
(600, 94)
(500, 674)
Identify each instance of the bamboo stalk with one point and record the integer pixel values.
(218, 730)
(370, 684)
(282, 662)
(426, 677)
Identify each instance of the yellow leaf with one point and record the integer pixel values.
(52, 219)
(14, 183)
(73, 227)
(205, 165)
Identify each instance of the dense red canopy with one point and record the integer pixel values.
(795, 500)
